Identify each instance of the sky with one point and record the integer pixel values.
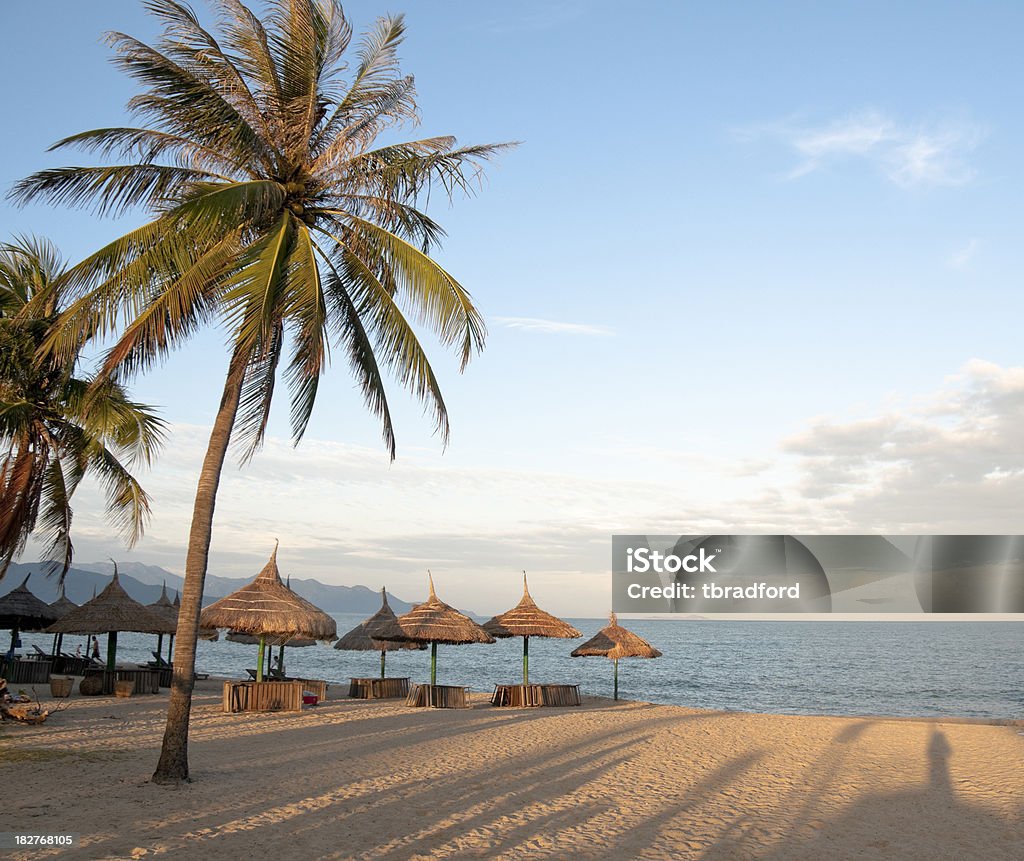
(753, 268)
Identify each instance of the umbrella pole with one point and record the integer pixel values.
(616, 663)
(159, 647)
(53, 648)
(526, 660)
(382, 654)
(170, 650)
(280, 659)
(259, 661)
(14, 641)
(111, 650)
(433, 663)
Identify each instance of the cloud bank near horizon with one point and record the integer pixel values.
(949, 461)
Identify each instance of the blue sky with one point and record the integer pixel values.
(753, 267)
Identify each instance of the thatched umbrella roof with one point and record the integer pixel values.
(266, 607)
(20, 609)
(163, 606)
(362, 637)
(250, 640)
(433, 621)
(526, 619)
(613, 641)
(112, 610)
(63, 605)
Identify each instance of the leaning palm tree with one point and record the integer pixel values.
(57, 426)
(277, 215)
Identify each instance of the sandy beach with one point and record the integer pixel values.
(363, 779)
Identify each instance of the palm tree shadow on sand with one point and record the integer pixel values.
(890, 825)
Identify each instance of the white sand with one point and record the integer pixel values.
(377, 780)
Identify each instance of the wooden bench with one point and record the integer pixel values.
(26, 672)
(147, 680)
(516, 696)
(438, 697)
(378, 689)
(560, 695)
(529, 696)
(262, 696)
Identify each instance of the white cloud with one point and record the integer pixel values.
(947, 462)
(552, 327)
(905, 154)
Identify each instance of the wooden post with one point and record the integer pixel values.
(433, 663)
(111, 650)
(526, 660)
(159, 647)
(616, 662)
(383, 652)
(259, 660)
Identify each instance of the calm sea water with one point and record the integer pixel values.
(968, 669)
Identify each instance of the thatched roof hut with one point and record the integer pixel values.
(614, 642)
(267, 608)
(20, 610)
(250, 640)
(435, 622)
(113, 610)
(63, 605)
(362, 637)
(527, 620)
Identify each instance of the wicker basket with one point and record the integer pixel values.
(91, 686)
(124, 688)
(60, 686)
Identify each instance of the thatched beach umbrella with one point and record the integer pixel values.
(268, 608)
(20, 610)
(614, 642)
(62, 606)
(113, 611)
(527, 620)
(362, 637)
(434, 622)
(163, 607)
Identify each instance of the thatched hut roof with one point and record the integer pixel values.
(433, 621)
(361, 637)
(526, 619)
(63, 605)
(614, 641)
(268, 607)
(112, 610)
(19, 608)
(162, 606)
(250, 640)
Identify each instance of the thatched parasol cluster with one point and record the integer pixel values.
(267, 608)
(62, 606)
(527, 620)
(363, 637)
(434, 622)
(20, 610)
(614, 642)
(113, 610)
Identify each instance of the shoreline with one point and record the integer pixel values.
(362, 779)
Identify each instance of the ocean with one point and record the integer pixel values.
(923, 669)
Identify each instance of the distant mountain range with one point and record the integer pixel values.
(143, 583)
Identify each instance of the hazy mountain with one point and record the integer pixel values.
(143, 583)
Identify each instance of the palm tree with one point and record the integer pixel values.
(276, 214)
(55, 427)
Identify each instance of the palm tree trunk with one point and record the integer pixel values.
(173, 764)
